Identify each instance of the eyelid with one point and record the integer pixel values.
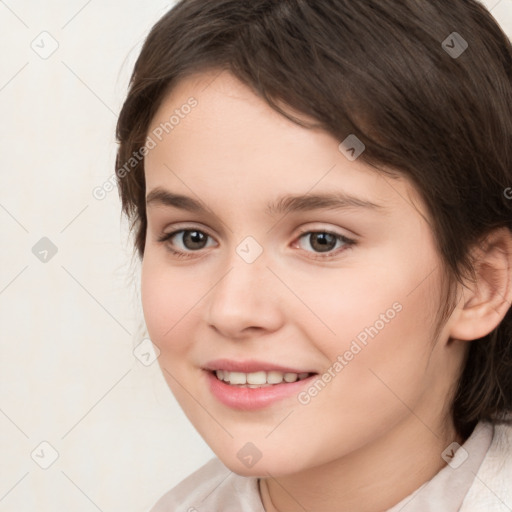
(322, 228)
(176, 228)
(302, 231)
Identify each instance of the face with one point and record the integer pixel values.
(269, 252)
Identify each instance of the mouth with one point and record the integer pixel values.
(259, 379)
(256, 390)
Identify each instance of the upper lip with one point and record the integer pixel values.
(250, 366)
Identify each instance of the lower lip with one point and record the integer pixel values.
(249, 399)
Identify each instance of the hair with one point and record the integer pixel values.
(382, 70)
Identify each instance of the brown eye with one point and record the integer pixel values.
(324, 242)
(187, 240)
(194, 240)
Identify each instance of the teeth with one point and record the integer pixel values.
(237, 378)
(274, 377)
(258, 379)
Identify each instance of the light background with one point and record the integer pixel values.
(68, 374)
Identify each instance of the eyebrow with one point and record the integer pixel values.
(283, 205)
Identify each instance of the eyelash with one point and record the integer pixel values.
(349, 242)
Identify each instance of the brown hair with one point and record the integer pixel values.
(388, 72)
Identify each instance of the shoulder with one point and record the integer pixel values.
(491, 490)
(211, 488)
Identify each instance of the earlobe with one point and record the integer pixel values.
(484, 303)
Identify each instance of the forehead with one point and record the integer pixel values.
(233, 143)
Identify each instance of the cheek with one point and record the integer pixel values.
(374, 326)
(169, 297)
(377, 370)
(365, 304)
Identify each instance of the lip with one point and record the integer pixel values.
(250, 366)
(250, 399)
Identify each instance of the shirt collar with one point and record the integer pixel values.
(447, 489)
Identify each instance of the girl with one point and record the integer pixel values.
(320, 193)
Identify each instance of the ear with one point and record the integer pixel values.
(484, 303)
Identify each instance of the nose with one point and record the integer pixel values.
(245, 301)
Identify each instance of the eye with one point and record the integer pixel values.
(322, 242)
(185, 241)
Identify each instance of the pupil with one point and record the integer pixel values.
(323, 242)
(194, 240)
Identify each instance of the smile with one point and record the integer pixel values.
(255, 390)
(259, 379)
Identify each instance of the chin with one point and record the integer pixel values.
(264, 467)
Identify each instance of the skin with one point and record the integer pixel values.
(376, 432)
